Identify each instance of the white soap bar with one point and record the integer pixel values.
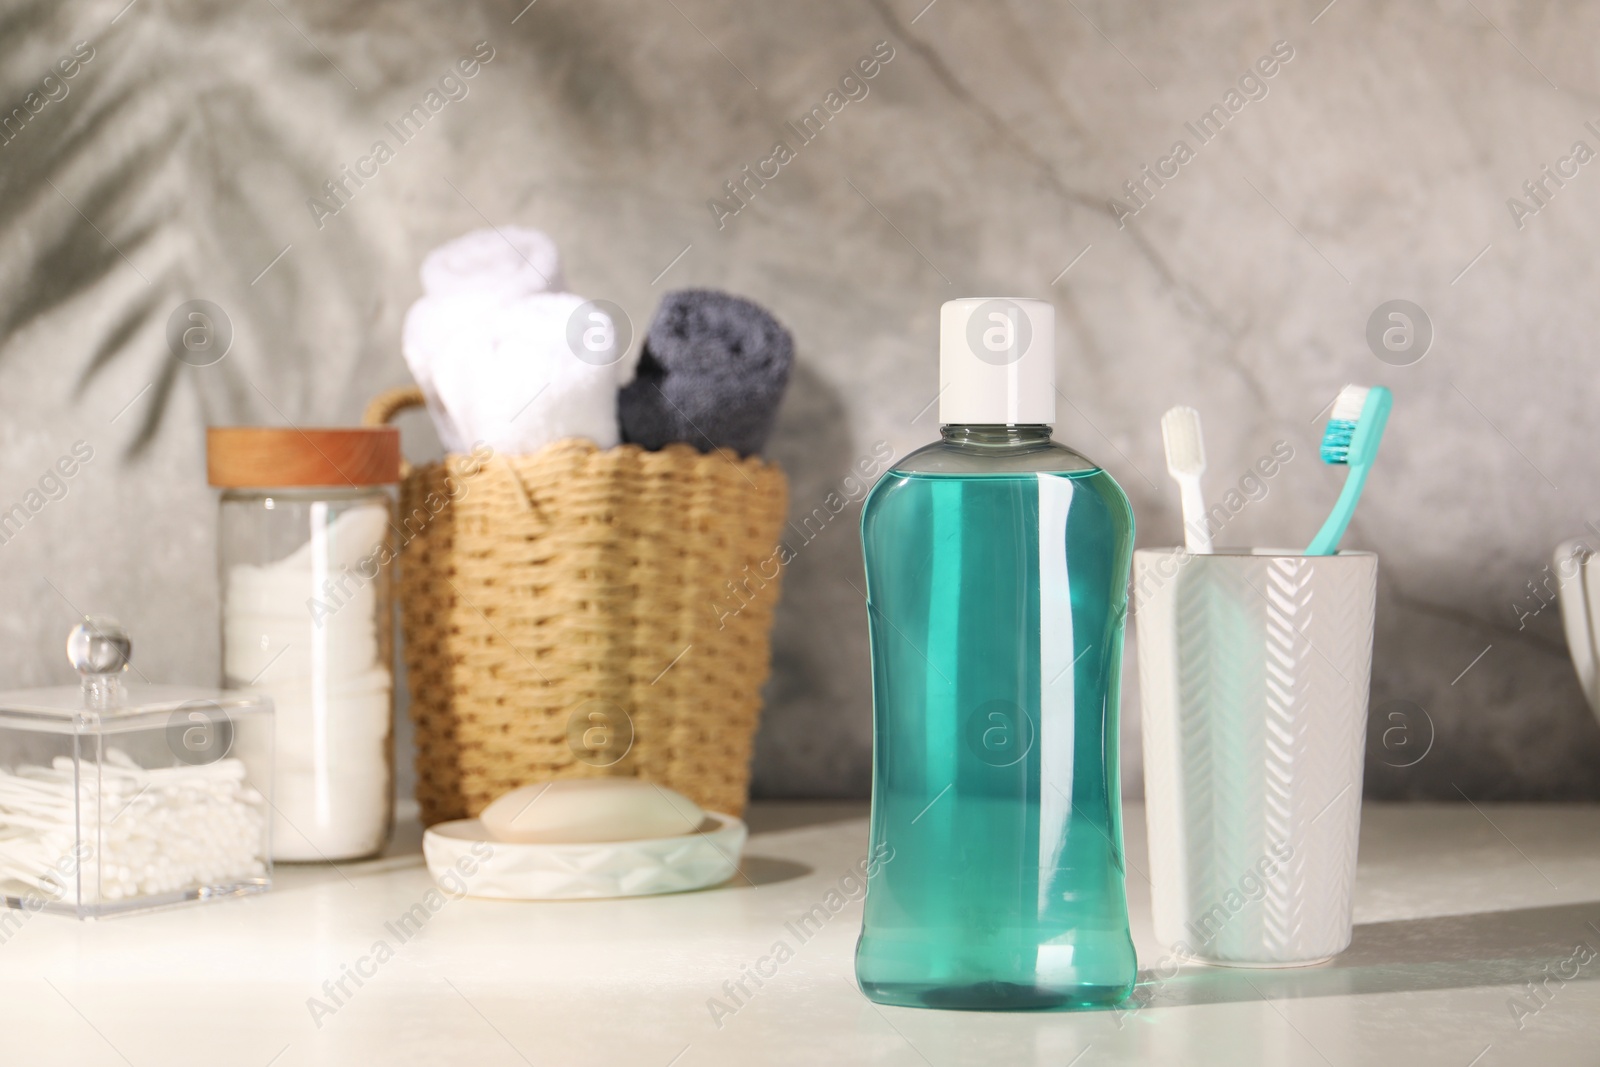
(588, 810)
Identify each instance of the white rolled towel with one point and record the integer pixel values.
(471, 275)
(504, 261)
(527, 385)
(447, 329)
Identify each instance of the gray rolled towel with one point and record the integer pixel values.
(713, 370)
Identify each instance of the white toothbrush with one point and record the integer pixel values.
(1186, 461)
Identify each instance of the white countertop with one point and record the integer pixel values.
(1456, 908)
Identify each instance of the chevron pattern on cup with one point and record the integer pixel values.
(1254, 672)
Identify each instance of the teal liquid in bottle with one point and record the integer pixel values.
(997, 566)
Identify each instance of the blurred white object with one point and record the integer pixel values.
(505, 262)
(590, 810)
(464, 860)
(465, 284)
(441, 328)
(174, 827)
(305, 631)
(1580, 592)
(1186, 462)
(511, 375)
(1253, 674)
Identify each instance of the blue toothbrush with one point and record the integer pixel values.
(1355, 426)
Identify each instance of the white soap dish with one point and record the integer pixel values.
(463, 852)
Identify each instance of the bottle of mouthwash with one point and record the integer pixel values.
(997, 571)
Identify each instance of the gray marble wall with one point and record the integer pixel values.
(1375, 163)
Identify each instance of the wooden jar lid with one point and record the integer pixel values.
(270, 457)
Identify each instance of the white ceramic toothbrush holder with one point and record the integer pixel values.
(1254, 669)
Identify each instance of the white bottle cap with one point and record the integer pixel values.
(997, 362)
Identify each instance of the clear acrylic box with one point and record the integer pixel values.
(119, 797)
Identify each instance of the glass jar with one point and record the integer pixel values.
(305, 554)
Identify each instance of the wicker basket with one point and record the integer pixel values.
(582, 612)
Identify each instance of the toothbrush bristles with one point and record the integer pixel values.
(1342, 421)
(1348, 404)
(1185, 447)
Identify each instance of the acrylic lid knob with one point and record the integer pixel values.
(99, 646)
